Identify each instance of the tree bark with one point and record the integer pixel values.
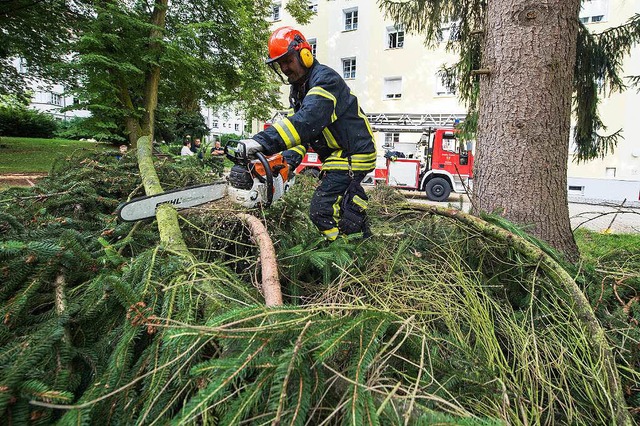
(524, 116)
(152, 79)
(270, 280)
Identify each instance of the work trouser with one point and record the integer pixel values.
(339, 205)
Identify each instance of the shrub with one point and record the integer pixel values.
(74, 128)
(20, 121)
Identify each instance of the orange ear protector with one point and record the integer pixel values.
(305, 53)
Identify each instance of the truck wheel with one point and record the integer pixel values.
(438, 189)
(311, 172)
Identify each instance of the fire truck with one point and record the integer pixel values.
(438, 164)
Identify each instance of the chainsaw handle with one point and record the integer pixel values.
(237, 154)
(269, 175)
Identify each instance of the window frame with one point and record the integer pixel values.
(313, 42)
(399, 33)
(441, 89)
(594, 11)
(276, 11)
(387, 95)
(55, 98)
(390, 139)
(350, 15)
(352, 68)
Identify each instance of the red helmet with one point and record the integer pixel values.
(285, 40)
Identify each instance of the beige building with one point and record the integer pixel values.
(395, 78)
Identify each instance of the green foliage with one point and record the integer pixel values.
(597, 71)
(425, 323)
(37, 32)
(208, 53)
(24, 122)
(75, 128)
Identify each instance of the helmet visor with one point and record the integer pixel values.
(277, 58)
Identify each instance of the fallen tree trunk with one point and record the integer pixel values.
(560, 277)
(270, 280)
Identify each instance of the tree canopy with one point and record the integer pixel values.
(38, 32)
(207, 54)
(598, 69)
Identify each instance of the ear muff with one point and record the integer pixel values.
(306, 57)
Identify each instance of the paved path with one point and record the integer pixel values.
(591, 216)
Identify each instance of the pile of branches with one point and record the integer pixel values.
(430, 321)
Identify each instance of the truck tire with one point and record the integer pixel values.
(309, 171)
(438, 189)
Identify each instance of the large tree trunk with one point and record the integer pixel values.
(524, 116)
(152, 79)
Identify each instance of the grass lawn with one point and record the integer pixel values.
(24, 155)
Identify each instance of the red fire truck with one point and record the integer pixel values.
(441, 164)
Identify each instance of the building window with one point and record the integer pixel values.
(392, 88)
(313, 6)
(349, 67)
(275, 11)
(442, 89)
(56, 99)
(351, 19)
(313, 43)
(594, 11)
(214, 123)
(449, 31)
(610, 172)
(390, 139)
(237, 127)
(22, 66)
(395, 37)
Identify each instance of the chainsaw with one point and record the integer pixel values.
(250, 183)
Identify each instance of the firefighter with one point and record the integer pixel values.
(326, 116)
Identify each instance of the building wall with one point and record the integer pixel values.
(50, 98)
(418, 67)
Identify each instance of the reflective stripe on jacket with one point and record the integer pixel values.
(327, 117)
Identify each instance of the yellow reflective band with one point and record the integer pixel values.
(360, 167)
(335, 156)
(363, 157)
(331, 234)
(336, 209)
(290, 112)
(319, 91)
(331, 141)
(359, 201)
(287, 132)
(300, 149)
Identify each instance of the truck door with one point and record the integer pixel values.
(451, 154)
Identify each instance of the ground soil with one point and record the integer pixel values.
(20, 179)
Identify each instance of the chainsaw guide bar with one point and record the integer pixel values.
(146, 207)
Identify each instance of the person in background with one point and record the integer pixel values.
(326, 115)
(122, 150)
(217, 149)
(186, 151)
(196, 147)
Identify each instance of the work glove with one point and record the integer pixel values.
(252, 147)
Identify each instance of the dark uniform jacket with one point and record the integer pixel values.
(326, 116)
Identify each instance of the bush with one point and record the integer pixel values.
(74, 128)
(20, 121)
